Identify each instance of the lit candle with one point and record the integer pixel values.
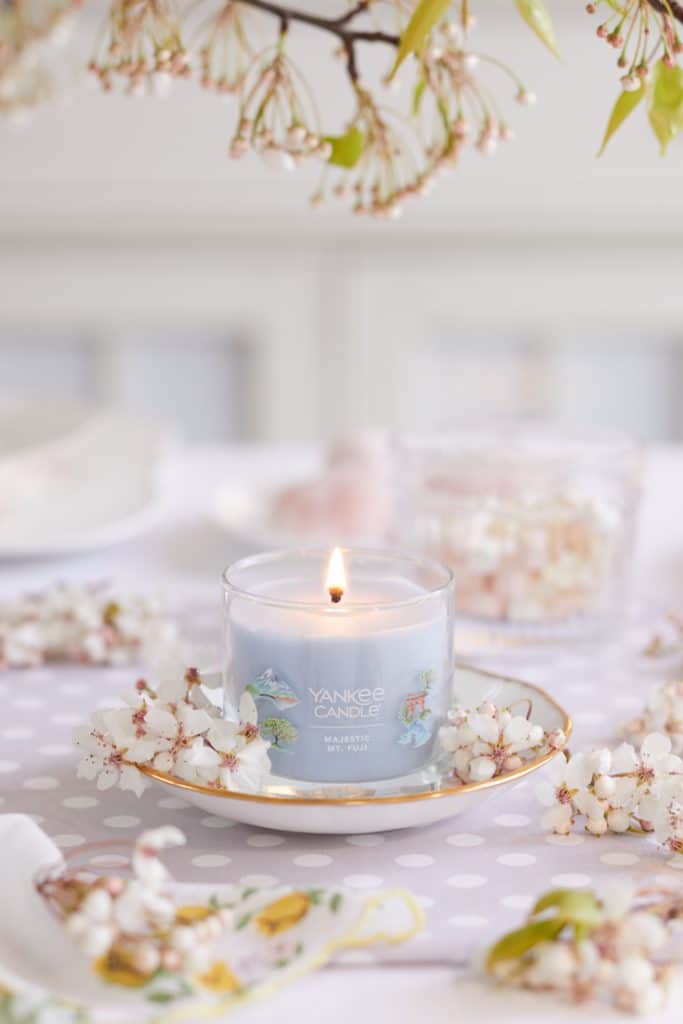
(349, 665)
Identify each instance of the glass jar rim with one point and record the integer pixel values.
(265, 557)
(526, 438)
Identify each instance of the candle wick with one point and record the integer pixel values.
(336, 594)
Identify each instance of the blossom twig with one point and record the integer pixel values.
(174, 729)
(488, 741)
(583, 946)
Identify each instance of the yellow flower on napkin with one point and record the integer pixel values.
(283, 914)
(117, 968)
(219, 978)
(189, 913)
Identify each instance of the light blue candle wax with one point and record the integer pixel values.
(352, 692)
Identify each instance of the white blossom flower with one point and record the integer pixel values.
(581, 946)
(480, 744)
(663, 713)
(619, 791)
(135, 920)
(104, 762)
(79, 623)
(176, 737)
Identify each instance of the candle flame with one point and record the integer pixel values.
(336, 576)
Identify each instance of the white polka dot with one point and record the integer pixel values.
(571, 880)
(56, 750)
(512, 820)
(312, 860)
(265, 839)
(106, 860)
(72, 689)
(41, 782)
(17, 733)
(589, 717)
(580, 688)
(468, 921)
(572, 839)
(7, 767)
(68, 718)
(122, 821)
(628, 701)
(80, 803)
(66, 841)
(258, 881)
(516, 860)
(619, 859)
(172, 803)
(213, 822)
(518, 901)
(373, 839)
(466, 881)
(464, 839)
(210, 860)
(28, 703)
(363, 881)
(414, 860)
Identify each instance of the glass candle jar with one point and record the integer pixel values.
(537, 526)
(351, 678)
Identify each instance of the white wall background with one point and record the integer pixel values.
(138, 264)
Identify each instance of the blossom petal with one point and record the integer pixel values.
(484, 726)
(131, 779)
(656, 745)
(624, 759)
(248, 710)
(517, 730)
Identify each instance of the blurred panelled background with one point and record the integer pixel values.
(139, 265)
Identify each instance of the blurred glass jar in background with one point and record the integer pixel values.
(538, 526)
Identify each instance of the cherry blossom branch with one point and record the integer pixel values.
(336, 26)
(670, 7)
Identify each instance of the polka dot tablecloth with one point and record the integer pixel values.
(475, 875)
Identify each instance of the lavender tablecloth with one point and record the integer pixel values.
(475, 875)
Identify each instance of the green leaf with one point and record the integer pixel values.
(425, 16)
(517, 943)
(665, 103)
(347, 149)
(537, 16)
(242, 922)
(417, 96)
(625, 105)
(335, 902)
(161, 997)
(571, 907)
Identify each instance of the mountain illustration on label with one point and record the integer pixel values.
(269, 686)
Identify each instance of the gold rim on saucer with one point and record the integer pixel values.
(355, 801)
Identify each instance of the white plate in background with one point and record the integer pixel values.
(244, 511)
(74, 478)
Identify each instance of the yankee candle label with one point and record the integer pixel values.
(343, 705)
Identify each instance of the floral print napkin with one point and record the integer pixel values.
(277, 936)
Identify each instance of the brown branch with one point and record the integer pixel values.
(668, 7)
(339, 27)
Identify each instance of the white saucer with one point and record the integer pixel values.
(421, 798)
